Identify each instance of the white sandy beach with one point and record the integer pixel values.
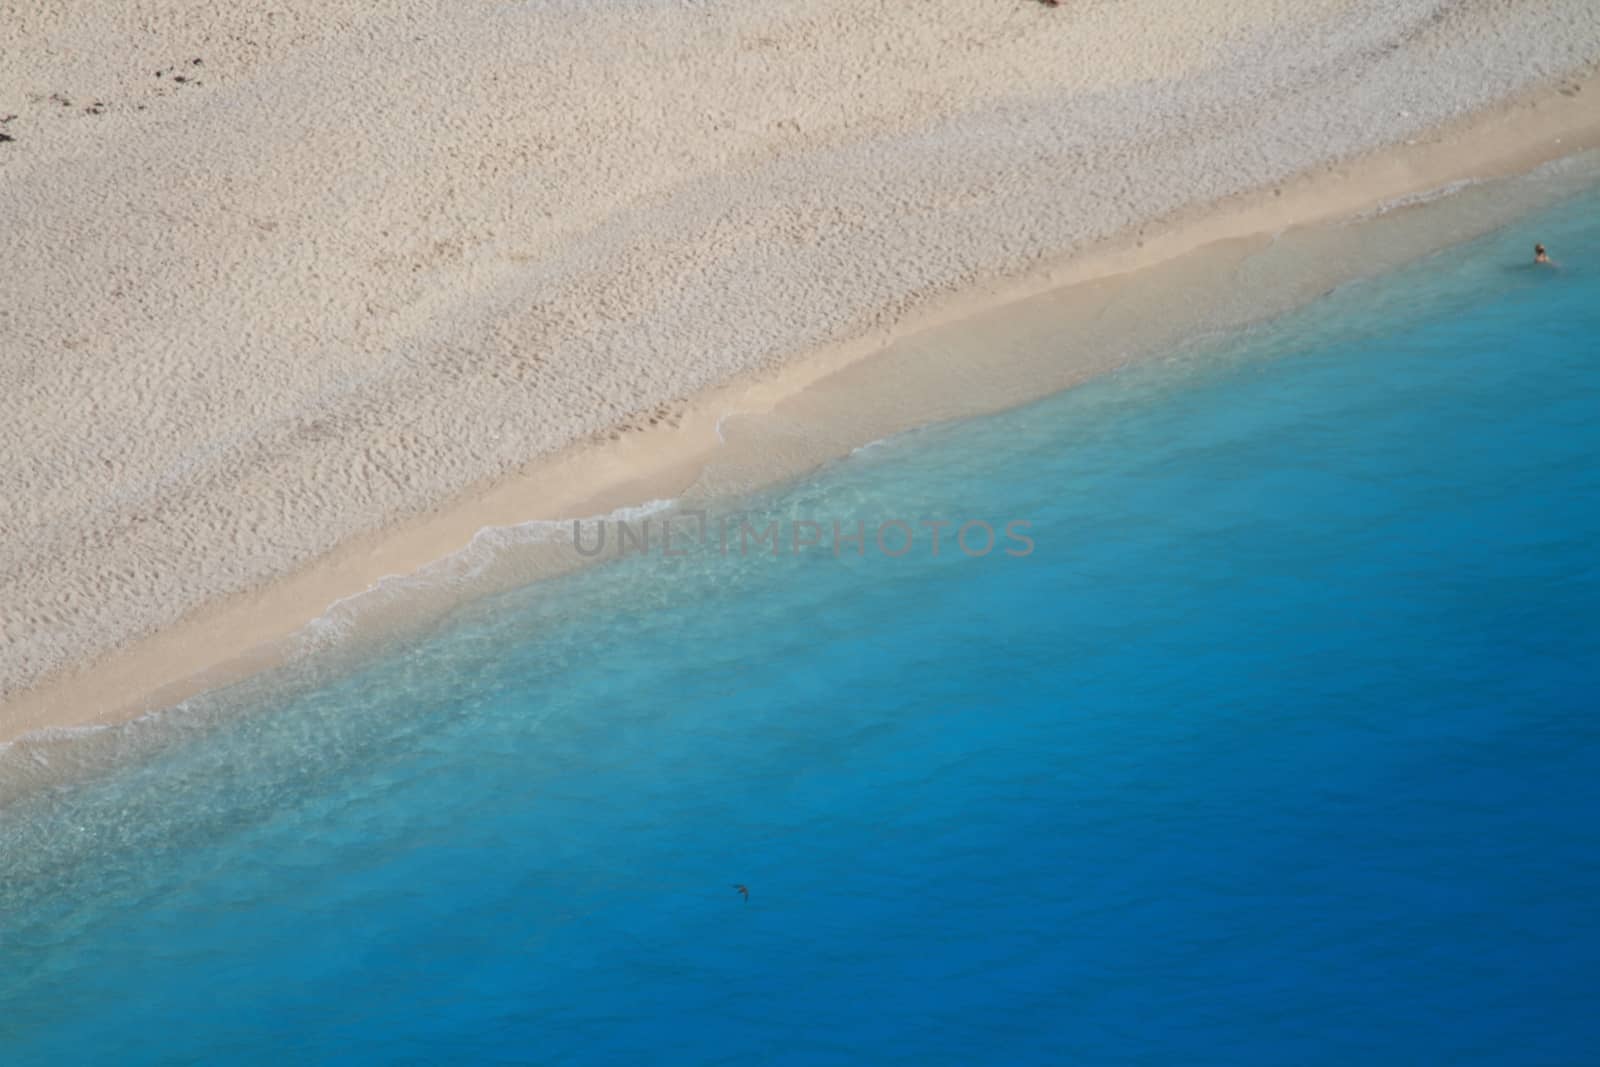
(364, 262)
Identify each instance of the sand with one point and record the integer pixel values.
(365, 265)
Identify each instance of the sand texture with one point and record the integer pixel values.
(277, 275)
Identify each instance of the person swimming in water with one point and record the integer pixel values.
(1540, 255)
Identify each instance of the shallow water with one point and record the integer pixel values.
(1278, 747)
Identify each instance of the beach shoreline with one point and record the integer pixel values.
(243, 633)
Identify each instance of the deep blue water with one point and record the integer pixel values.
(1279, 748)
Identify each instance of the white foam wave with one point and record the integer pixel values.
(1426, 196)
(339, 618)
(721, 437)
(870, 446)
(461, 566)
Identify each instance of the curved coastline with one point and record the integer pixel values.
(836, 390)
(373, 577)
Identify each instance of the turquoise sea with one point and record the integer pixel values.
(1280, 747)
